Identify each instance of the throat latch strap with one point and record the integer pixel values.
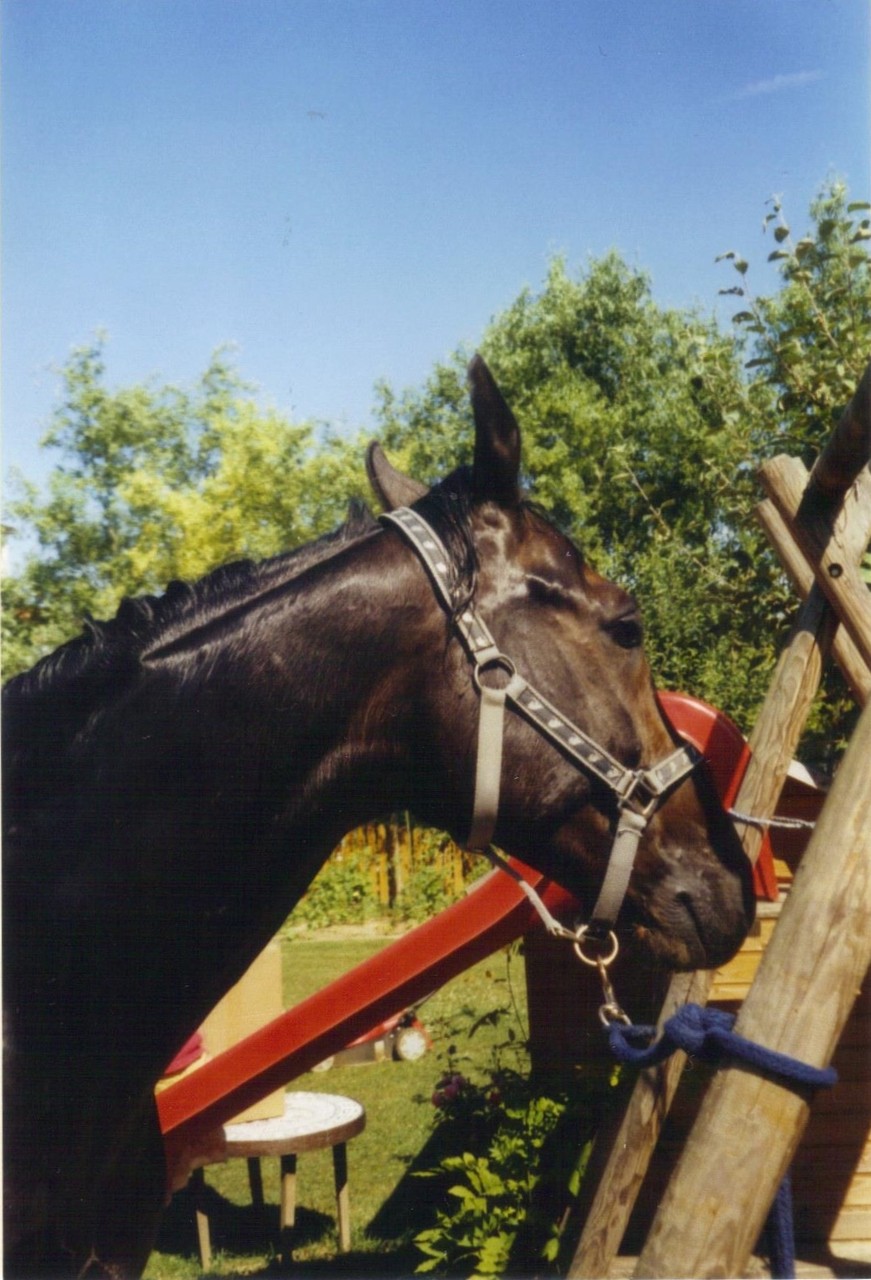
(488, 767)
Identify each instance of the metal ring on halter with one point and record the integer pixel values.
(596, 961)
(498, 661)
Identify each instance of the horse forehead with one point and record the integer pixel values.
(531, 544)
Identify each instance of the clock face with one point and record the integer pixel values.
(410, 1044)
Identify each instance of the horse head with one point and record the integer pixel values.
(555, 627)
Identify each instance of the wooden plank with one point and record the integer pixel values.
(824, 542)
(823, 1190)
(850, 1224)
(853, 1061)
(624, 1266)
(844, 651)
(748, 1126)
(835, 1162)
(632, 1138)
(830, 1131)
(850, 1097)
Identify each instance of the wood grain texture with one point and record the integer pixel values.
(632, 1139)
(632, 1142)
(826, 543)
(849, 659)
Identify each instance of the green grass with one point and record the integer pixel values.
(387, 1206)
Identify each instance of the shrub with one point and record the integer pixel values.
(509, 1194)
(341, 892)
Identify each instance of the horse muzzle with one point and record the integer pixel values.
(697, 919)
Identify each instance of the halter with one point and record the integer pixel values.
(638, 792)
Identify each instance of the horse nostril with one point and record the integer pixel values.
(686, 900)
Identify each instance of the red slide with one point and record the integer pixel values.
(494, 913)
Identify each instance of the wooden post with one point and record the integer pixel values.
(774, 741)
(749, 1126)
(845, 653)
(824, 543)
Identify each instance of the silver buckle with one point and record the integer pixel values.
(633, 797)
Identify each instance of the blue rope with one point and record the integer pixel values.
(779, 1233)
(707, 1034)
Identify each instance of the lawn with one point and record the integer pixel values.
(387, 1206)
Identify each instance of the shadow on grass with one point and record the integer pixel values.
(247, 1231)
(235, 1228)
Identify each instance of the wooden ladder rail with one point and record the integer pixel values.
(623, 1153)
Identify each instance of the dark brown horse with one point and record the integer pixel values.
(174, 779)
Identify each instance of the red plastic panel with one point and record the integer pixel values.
(493, 914)
(722, 744)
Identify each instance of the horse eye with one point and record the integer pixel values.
(626, 632)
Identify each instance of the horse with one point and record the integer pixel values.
(174, 778)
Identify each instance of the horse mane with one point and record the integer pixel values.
(66, 684)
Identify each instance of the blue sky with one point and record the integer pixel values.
(348, 189)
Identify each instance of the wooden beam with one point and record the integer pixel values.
(749, 1127)
(855, 524)
(824, 540)
(632, 1138)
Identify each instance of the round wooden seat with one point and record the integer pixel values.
(310, 1121)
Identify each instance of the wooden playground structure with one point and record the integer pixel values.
(806, 999)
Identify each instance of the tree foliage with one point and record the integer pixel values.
(643, 429)
(160, 483)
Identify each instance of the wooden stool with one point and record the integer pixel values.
(310, 1121)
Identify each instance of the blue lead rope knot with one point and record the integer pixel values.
(707, 1034)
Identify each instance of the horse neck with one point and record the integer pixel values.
(262, 750)
(345, 660)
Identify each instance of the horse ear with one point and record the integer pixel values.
(497, 440)
(392, 488)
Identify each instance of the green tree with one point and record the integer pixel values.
(160, 483)
(809, 342)
(808, 345)
(643, 430)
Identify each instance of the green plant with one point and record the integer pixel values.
(516, 1147)
(424, 895)
(389, 1205)
(341, 892)
(510, 1191)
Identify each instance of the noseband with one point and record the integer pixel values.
(638, 792)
